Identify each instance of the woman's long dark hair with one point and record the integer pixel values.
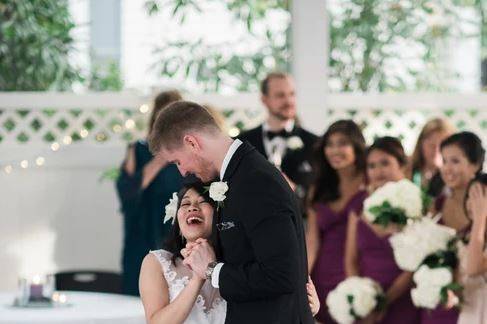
(326, 184)
(175, 241)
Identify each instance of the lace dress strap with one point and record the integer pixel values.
(165, 259)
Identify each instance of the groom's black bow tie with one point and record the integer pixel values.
(282, 133)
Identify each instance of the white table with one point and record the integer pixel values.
(86, 308)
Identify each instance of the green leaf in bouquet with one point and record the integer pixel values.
(350, 302)
(386, 214)
(381, 302)
(454, 287)
(442, 259)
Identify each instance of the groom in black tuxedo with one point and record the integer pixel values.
(262, 272)
(280, 139)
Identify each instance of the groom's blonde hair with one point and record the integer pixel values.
(175, 121)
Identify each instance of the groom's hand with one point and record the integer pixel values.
(200, 255)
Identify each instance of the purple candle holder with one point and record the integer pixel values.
(36, 291)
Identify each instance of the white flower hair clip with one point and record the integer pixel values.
(171, 208)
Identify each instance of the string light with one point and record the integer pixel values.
(67, 140)
(233, 132)
(40, 161)
(83, 133)
(144, 108)
(129, 123)
(55, 146)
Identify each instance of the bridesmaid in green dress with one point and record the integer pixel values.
(144, 187)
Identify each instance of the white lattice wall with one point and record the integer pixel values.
(113, 119)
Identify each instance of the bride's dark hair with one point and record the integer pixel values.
(175, 241)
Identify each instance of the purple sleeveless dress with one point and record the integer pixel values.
(376, 261)
(440, 315)
(328, 270)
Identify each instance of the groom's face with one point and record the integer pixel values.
(189, 162)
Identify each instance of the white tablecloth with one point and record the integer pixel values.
(86, 308)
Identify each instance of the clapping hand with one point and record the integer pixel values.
(197, 255)
(477, 202)
(314, 302)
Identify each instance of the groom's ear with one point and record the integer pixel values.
(191, 142)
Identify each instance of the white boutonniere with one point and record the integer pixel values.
(171, 208)
(217, 192)
(294, 143)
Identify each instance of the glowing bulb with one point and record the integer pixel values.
(63, 298)
(55, 146)
(100, 137)
(67, 140)
(144, 108)
(55, 297)
(8, 169)
(83, 133)
(24, 164)
(36, 280)
(233, 132)
(129, 123)
(40, 161)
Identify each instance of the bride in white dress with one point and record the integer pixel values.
(170, 291)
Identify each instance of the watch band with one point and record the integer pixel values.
(209, 269)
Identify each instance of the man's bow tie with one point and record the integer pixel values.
(282, 133)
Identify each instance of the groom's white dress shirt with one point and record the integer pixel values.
(231, 151)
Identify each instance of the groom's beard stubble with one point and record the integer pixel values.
(206, 172)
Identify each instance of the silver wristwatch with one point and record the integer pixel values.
(209, 269)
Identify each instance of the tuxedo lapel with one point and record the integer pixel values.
(259, 141)
(244, 149)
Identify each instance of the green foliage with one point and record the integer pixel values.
(217, 65)
(35, 42)
(386, 214)
(105, 77)
(368, 38)
(443, 258)
(453, 287)
(111, 174)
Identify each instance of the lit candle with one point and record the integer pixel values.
(36, 288)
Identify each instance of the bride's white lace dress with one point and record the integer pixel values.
(209, 306)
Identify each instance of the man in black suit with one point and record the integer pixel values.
(262, 271)
(284, 143)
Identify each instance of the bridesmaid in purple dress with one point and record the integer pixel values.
(337, 191)
(368, 252)
(463, 158)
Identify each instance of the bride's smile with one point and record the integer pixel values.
(195, 216)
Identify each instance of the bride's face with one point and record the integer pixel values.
(195, 216)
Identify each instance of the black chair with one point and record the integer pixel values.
(87, 280)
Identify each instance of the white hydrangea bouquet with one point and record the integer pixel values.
(429, 250)
(355, 298)
(396, 203)
(418, 240)
(433, 285)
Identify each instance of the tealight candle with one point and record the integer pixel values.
(36, 288)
